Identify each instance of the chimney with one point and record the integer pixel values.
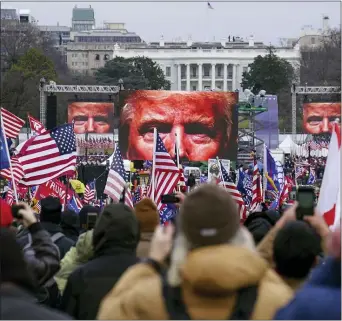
(161, 42)
(189, 42)
(325, 24)
(223, 42)
(251, 41)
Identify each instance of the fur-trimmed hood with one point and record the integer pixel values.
(181, 254)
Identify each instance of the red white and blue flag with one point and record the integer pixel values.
(49, 155)
(116, 181)
(234, 192)
(166, 174)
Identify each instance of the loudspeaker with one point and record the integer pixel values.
(51, 111)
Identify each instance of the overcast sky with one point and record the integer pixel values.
(267, 21)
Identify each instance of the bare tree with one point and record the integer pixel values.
(321, 66)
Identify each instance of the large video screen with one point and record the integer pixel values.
(92, 117)
(318, 118)
(206, 123)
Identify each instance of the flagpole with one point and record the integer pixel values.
(265, 172)
(177, 149)
(153, 162)
(177, 157)
(9, 159)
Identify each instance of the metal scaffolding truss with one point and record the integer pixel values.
(44, 89)
(81, 89)
(307, 90)
(318, 90)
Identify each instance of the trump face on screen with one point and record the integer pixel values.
(203, 122)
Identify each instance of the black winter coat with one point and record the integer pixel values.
(64, 244)
(43, 261)
(90, 283)
(17, 304)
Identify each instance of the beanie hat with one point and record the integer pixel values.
(147, 215)
(6, 217)
(51, 210)
(209, 216)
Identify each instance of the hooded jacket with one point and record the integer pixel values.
(209, 278)
(78, 255)
(115, 238)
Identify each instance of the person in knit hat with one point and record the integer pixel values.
(215, 271)
(148, 218)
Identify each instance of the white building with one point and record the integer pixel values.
(199, 66)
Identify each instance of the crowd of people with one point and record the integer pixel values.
(317, 164)
(121, 263)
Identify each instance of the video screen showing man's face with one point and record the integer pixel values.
(318, 118)
(91, 117)
(204, 123)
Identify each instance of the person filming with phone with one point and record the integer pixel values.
(298, 241)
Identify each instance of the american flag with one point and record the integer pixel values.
(234, 192)
(299, 171)
(12, 123)
(47, 156)
(89, 193)
(10, 195)
(116, 180)
(285, 192)
(257, 191)
(18, 172)
(166, 173)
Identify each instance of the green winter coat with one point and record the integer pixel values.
(77, 255)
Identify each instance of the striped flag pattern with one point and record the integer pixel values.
(256, 189)
(166, 173)
(10, 195)
(18, 172)
(89, 193)
(116, 180)
(47, 156)
(285, 192)
(12, 123)
(234, 192)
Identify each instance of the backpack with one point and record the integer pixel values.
(177, 310)
(48, 293)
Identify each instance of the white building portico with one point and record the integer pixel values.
(204, 66)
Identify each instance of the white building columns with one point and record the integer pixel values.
(235, 79)
(213, 85)
(225, 67)
(188, 77)
(200, 77)
(179, 76)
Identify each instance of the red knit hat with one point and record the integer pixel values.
(6, 217)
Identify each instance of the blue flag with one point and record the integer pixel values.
(72, 205)
(272, 172)
(167, 213)
(4, 157)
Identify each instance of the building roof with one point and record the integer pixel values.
(54, 28)
(83, 14)
(197, 45)
(10, 14)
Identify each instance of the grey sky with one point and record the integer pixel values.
(267, 21)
